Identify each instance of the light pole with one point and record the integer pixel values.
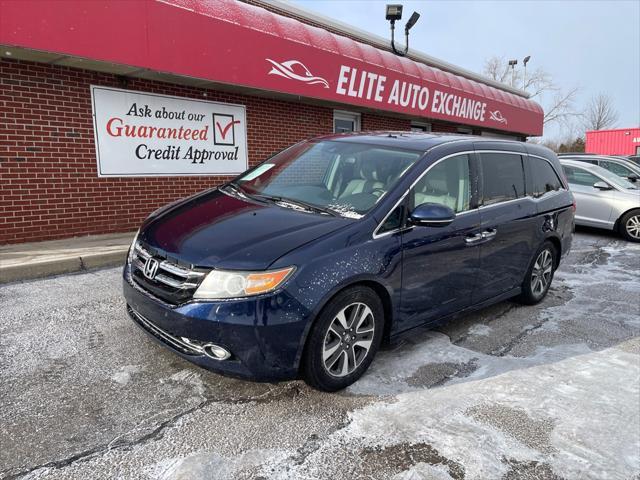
(524, 62)
(512, 64)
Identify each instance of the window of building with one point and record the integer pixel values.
(545, 178)
(344, 122)
(465, 130)
(503, 177)
(420, 127)
(447, 184)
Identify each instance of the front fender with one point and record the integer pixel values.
(339, 263)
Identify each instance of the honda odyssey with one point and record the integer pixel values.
(305, 264)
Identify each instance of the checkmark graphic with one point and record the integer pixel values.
(225, 130)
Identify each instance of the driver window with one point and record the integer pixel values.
(578, 176)
(616, 168)
(447, 183)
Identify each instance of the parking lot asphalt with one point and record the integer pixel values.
(511, 392)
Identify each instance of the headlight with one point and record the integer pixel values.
(131, 254)
(219, 284)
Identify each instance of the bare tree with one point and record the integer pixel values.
(558, 103)
(600, 113)
(561, 107)
(496, 68)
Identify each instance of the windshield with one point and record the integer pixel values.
(333, 177)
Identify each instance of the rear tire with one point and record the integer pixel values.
(344, 339)
(629, 226)
(539, 275)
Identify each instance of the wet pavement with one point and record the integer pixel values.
(510, 392)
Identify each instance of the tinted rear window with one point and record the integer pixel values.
(545, 178)
(503, 177)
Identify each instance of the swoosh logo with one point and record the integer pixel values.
(288, 70)
(497, 117)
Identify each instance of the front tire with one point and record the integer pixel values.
(540, 275)
(345, 338)
(630, 226)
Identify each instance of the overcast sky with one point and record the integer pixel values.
(594, 45)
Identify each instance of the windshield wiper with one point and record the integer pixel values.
(236, 188)
(298, 203)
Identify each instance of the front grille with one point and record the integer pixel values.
(171, 282)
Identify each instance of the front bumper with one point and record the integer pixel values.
(264, 335)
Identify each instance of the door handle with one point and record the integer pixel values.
(473, 238)
(489, 233)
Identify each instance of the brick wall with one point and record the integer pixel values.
(48, 176)
(372, 121)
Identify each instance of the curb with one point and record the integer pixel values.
(30, 271)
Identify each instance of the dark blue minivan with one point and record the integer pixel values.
(305, 264)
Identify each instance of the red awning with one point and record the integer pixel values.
(239, 44)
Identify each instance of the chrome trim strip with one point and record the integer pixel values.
(190, 277)
(376, 235)
(138, 248)
(401, 199)
(174, 283)
(179, 271)
(164, 335)
(168, 281)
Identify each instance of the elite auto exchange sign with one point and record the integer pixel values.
(144, 134)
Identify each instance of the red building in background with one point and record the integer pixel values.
(103, 102)
(621, 141)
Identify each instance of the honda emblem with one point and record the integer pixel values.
(151, 268)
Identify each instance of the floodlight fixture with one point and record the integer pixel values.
(393, 13)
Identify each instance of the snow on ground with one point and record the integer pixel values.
(588, 399)
(589, 402)
(510, 392)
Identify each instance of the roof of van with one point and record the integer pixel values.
(419, 141)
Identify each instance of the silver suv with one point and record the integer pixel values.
(603, 199)
(620, 166)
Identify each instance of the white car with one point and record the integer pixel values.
(603, 199)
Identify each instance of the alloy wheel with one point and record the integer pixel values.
(542, 271)
(348, 339)
(633, 226)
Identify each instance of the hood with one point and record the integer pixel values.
(216, 230)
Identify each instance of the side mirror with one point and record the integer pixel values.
(432, 215)
(633, 178)
(602, 185)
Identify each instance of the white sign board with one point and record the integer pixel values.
(146, 134)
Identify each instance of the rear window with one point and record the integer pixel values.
(502, 176)
(545, 178)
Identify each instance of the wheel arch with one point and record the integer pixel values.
(616, 225)
(379, 288)
(555, 241)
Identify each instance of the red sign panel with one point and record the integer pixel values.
(239, 44)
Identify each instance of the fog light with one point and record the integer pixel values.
(216, 352)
